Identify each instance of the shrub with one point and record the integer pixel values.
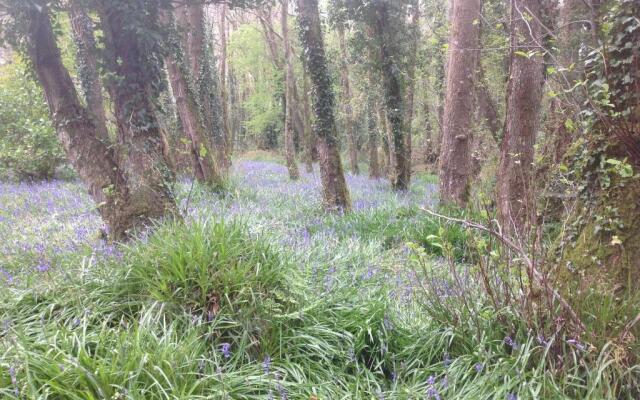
(29, 148)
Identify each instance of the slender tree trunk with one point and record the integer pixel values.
(411, 77)
(334, 186)
(386, 139)
(94, 161)
(309, 136)
(455, 153)
(202, 155)
(224, 90)
(204, 73)
(82, 28)
(346, 95)
(139, 137)
(289, 146)
(374, 166)
(516, 206)
(393, 93)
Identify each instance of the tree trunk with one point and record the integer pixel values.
(386, 139)
(455, 153)
(374, 166)
(411, 77)
(141, 158)
(516, 206)
(94, 161)
(82, 29)
(384, 29)
(346, 95)
(334, 186)
(204, 73)
(289, 146)
(205, 169)
(309, 136)
(224, 91)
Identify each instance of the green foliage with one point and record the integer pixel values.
(29, 148)
(250, 58)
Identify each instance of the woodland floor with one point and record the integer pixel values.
(348, 319)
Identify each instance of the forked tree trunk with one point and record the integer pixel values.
(204, 164)
(455, 153)
(94, 161)
(83, 36)
(289, 146)
(140, 159)
(516, 206)
(346, 97)
(393, 92)
(334, 186)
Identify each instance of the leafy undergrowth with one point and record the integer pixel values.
(275, 300)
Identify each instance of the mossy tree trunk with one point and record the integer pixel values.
(334, 186)
(289, 145)
(350, 122)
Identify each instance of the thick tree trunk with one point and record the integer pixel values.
(455, 153)
(82, 28)
(94, 161)
(204, 73)
(334, 186)
(141, 158)
(289, 146)
(346, 97)
(202, 155)
(393, 93)
(516, 206)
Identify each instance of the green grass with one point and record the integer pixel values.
(352, 309)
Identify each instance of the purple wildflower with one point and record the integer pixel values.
(479, 367)
(225, 348)
(446, 360)
(512, 396)
(266, 365)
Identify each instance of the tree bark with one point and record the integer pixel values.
(204, 73)
(374, 165)
(455, 153)
(224, 91)
(140, 158)
(83, 36)
(309, 136)
(204, 164)
(334, 186)
(384, 29)
(411, 77)
(346, 96)
(94, 161)
(289, 146)
(516, 206)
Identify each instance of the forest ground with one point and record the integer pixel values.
(297, 303)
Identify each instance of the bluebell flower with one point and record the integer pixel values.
(479, 367)
(225, 348)
(266, 364)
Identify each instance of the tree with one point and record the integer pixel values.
(121, 200)
(200, 58)
(411, 76)
(289, 147)
(386, 17)
(135, 62)
(204, 164)
(87, 65)
(516, 206)
(334, 186)
(455, 154)
(346, 95)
